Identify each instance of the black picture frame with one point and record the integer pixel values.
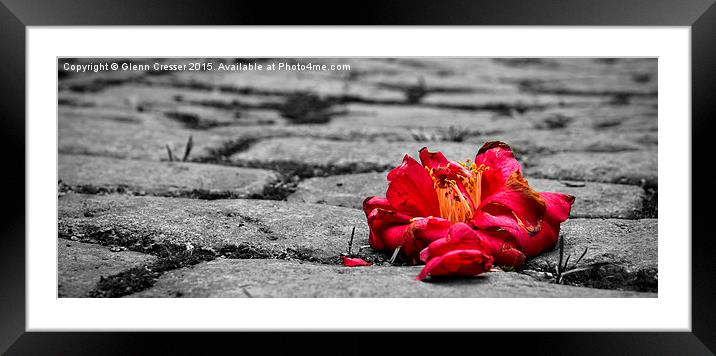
(16, 15)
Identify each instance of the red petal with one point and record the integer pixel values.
(436, 160)
(460, 237)
(509, 256)
(498, 157)
(421, 233)
(410, 190)
(558, 208)
(355, 262)
(387, 229)
(544, 240)
(458, 263)
(371, 203)
(502, 247)
(517, 209)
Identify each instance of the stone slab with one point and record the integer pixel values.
(422, 117)
(97, 174)
(230, 278)
(633, 167)
(80, 265)
(536, 142)
(632, 244)
(347, 154)
(304, 231)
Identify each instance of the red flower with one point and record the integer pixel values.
(425, 201)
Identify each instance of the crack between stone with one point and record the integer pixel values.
(172, 256)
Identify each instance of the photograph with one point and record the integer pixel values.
(357, 177)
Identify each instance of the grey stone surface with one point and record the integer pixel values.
(347, 154)
(308, 231)
(80, 132)
(80, 265)
(636, 167)
(347, 190)
(95, 174)
(596, 200)
(592, 199)
(540, 141)
(229, 278)
(638, 117)
(421, 117)
(631, 244)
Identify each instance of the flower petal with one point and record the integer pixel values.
(460, 237)
(498, 156)
(355, 261)
(436, 160)
(544, 240)
(502, 247)
(558, 208)
(387, 228)
(371, 203)
(411, 191)
(458, 263)
(517, 208)
(421, 233)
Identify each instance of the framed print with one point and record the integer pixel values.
(481, 171)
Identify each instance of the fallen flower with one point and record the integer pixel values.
(425, 200)
(355, 261)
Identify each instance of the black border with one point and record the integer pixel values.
(15, 15)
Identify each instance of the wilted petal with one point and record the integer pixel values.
(436, 160)
(544, 240)
(387, 229)
(457, 263)
(354, 262)
(558, 208)
(498, 157)
(421, 233)
(518, 209)
(460, 237)
(372, 203)
(411, 191)
(502, 247)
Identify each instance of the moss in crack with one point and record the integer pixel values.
(194, 121)
(304, 170)
(227, 149)
(106, 236)
(307, 108)
(278, 190)
(140, 278)
(205, 194)
(612, 276)
(650, 205)
(291, 173)
(246, 251)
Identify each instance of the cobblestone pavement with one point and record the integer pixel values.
(248, 183)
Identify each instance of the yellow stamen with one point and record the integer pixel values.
(454, 205)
